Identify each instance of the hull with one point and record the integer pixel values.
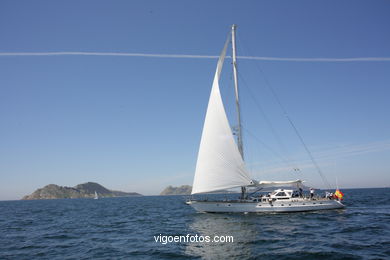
(276, 206)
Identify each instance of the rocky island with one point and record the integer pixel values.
(182, 190)
(85, 190)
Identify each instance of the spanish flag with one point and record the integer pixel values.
(339, 194)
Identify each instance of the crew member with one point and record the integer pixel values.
(311, 193)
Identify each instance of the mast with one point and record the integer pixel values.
(239, 132)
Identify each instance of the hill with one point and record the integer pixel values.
(85, 190)
(182, 190)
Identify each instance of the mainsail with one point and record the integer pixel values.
(220, 165)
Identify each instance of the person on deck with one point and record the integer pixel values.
(328, 195)
(300, 192)
(311, 193)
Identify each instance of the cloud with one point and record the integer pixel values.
(189, 56)
(324, 157)
(354, 149)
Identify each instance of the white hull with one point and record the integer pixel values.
(276, 206)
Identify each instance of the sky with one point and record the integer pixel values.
(133, 123)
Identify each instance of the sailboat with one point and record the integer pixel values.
(96, 196)
(220, 164)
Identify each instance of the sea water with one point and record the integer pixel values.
(132, 228)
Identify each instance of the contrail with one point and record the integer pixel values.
(317, 59)
(189, 56)
(126, 54)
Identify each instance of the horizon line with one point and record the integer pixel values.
(190, 56)
(154, 195)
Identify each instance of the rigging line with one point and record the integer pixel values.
(309, 153)
(292, 125)
(268, 147)
(270, 125)
(296, 131)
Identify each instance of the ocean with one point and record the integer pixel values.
(128, 228)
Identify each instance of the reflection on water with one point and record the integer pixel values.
(239, 226)
(263, 234)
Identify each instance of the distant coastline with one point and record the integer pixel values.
(186, 190)
(84, 190)
(181, 190)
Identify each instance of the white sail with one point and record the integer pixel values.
(220, 164)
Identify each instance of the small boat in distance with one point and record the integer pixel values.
(220, 164)
(96, 196)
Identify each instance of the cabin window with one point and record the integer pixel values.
(281, 194)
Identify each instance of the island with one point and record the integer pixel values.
(182, 190)
(85, 190)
